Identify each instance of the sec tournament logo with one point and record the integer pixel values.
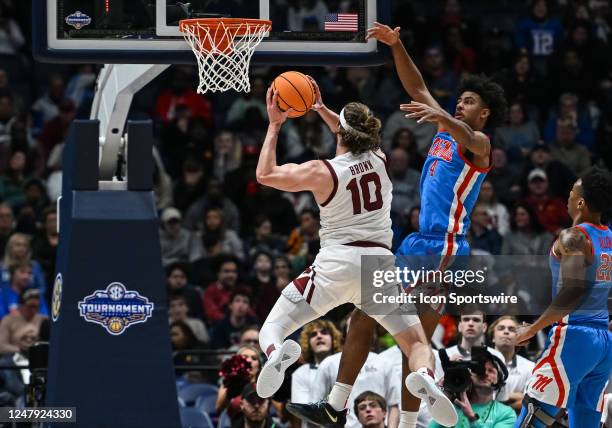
(78, 20)
(57, 297)
(115, 308)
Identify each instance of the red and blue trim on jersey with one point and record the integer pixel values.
(449, 185)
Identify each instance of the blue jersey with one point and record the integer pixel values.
(593, 310)
(449, 188)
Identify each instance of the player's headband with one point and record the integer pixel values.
(344, 123)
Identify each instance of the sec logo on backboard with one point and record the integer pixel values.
(115, 308)
(56, 300)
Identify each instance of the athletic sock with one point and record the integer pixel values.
(339, 395)
(408, 419)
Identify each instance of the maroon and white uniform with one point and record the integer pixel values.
(355, 222)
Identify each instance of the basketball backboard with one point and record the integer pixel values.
(304, 32)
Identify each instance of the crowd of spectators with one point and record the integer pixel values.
(229, 245)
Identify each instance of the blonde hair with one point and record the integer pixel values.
(363, 131)
(322, 324)
(491, 330)
(8, 259)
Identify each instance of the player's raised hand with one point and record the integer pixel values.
(384, 33)
(275, 115)
(318, 98)
(423, 112)
(524, 334)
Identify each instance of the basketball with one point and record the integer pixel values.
(294, 91)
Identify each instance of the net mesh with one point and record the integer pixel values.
(223, 49)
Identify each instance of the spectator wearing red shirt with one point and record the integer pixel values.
(217, 295)
(551, 211)
(182, 94)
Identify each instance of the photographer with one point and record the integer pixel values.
(476, 404)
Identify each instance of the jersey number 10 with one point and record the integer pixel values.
(364, 184)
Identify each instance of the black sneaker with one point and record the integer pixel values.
(320, 413)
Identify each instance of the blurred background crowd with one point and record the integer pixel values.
(229, 244)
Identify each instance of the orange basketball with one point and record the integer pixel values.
(294, 91)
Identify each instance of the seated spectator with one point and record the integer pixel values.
(177, 243)
(56, 130)
(177, 311)
(228, 154)
(404, 139)
(14, 381)
(518, 137)
(478, 404)
(527, 236)
(503, 334)
(214, 223)
(27, 313)
(318, 340)
(504, 179)
(7, 120)
(406, 182)
(226, 332)
(250, 337)
(551, 211)
(190, 185)
(371, 410)
(46, 107)
(6, 226)
(217, 295)
(263, 239)
(177, 285)
(566, 150)
(560, 177)
(13, 180)
(225, 397)
(253, 99)
(481, 235)
(213, 198)
(498, 213)
(29, 215)
(20, 281)
(18, 249)
(264, 283)
(44, 245)
(271, 203)
(411, 226)
(569, 108)
(183, 341)
(441, 81)
(162, 183)
(203, 270)
(423, 133)
(255, 411)
(307, 231)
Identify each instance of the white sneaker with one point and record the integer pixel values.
(273, 372)
(440, 407)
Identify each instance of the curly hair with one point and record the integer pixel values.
(365, 132)
(322, 324)
(597, 190)
(492, 95)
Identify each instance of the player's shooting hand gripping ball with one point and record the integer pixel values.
(275, 115)
(384, 33)
(422, 112)
(318, 98)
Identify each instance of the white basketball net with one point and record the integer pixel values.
(224, 53)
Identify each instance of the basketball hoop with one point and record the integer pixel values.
(223, 48)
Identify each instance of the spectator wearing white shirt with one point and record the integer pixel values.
(498, 213)
(318, 340)
(374, 376)
(503, 335)
(371, 410)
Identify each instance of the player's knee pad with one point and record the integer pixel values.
(538, 415)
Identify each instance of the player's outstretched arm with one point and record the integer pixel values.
(331, 118)
(574, 249)
(409, 74)
(312, 175)
(475, 141)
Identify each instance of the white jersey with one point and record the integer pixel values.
(359, 207)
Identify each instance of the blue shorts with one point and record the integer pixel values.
(574, 368)
(429, 244)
